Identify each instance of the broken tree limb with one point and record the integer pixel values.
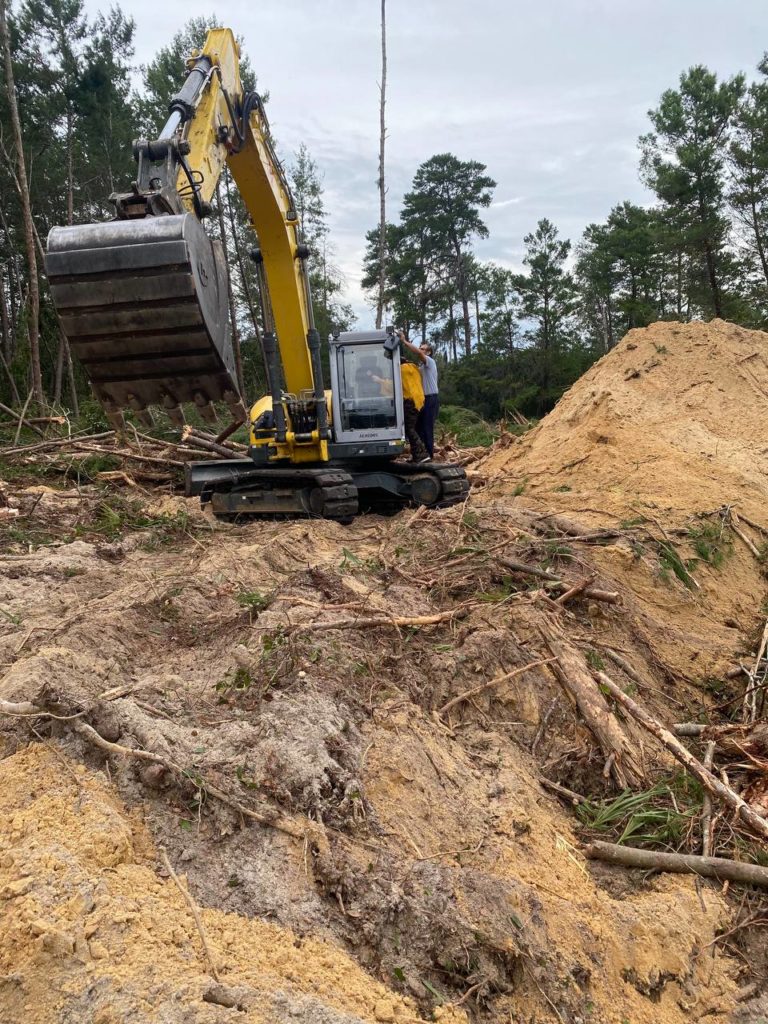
(396, 622)
(195, 913)
(191, 437)
(21, 419)
(688, 729)
(272, 818)
(609, 596)
(60, 442)
(575, 590)
(493, 682)
(682, 863)
(706, 805)
(708, 779)
(733, 521)
(574, 676)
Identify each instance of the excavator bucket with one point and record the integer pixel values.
(143, 304)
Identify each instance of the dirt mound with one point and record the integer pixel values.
(663, 442)
(673, 417)
(446, 882)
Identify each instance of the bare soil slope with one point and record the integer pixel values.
(320, 727)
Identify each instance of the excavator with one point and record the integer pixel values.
(143, 302)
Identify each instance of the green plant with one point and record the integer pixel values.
(595, 661)
(520, 488)
(671, 561)
(659, 816)
(468, 428)
(712, 542)
(661, 349)
(253, 600)
(236, 682)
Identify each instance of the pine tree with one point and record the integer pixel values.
(683, 161)
(441, 214)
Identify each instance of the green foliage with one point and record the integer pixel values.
(253, 600)
(595, 661)
(656, 817)
(466, 426)
(712, 542)
(671, 561)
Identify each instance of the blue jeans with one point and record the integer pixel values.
(425, 425)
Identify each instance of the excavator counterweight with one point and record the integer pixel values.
(144, 306)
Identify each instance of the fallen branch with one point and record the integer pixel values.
(574, 798)
(190, 437)
(688, 728)
(708, 779)
(706, 805)
(574, 676)
(609, 596)
(58, 443)
(272, 818)
(682, 863)
(195, 913)
(414, 620)
(578, 588)
(493, 682)
(21, 419)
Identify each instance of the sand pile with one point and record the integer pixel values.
(673, 418)
(662, 432)
(448, 882)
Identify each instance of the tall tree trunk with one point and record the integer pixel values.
(59, 371)
(477, 313)
(712, 275)
(29, 235)
(5, 321)
(759, 241)
(230, 297)
(382, 189)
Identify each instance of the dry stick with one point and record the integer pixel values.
(576, 589)
(195, 913)
(611, 597)
(750, 694)
(688, 729)
(685, 863)
(706, 805)
(415, 620)
(753, 524)
(21, 420)
(121, 454)
(708, 779)
(493, 682)
(211, 446)
(274, 819)
(574, 676)
(575, 798)
(60, 443)
(742, 536)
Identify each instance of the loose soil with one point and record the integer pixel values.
(410, 865)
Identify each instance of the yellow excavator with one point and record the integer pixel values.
(143, 302)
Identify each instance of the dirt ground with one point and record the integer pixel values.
(408, 863)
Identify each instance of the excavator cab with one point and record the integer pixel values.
(367, 388)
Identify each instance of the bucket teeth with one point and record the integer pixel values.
(143, 304)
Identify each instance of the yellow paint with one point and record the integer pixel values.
(264, 190)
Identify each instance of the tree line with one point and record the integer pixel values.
(515, 340)
(509, 340)
(81, 103)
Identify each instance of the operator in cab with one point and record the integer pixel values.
(413, 403)
(428, 414)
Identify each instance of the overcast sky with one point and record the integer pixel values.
(550, 95)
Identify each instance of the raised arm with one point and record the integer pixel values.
(414, 348)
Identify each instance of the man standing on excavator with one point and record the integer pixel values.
(431, 407)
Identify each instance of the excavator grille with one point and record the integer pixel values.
(143, 304)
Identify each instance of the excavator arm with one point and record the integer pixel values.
(143, 299)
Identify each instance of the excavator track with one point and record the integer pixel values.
(253, 491)
(237, 489)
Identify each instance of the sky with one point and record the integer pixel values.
(550, 95)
